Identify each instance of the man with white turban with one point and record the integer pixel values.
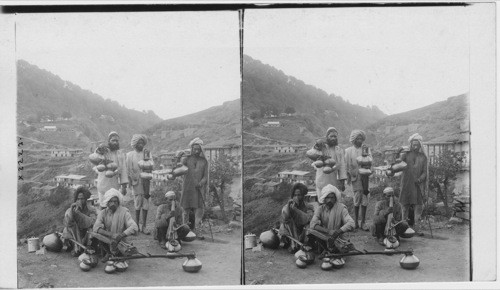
(141, 197)
(195, 185)
(331, 148)
(164, 214)
(413, 180)
(115, 221)
(331, 217)
(361, 193)
(382, 211)
(112, 153)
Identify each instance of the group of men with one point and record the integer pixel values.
(112, 219)
(331, 218)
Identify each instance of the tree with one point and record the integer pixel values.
(222, 172)
(290, 110)
(442, 171)
(66, 115)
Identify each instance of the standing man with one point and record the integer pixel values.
(361, 196)
(141, 198)
(330, 147)
(113, 153)
(413, 180)
(195, 185)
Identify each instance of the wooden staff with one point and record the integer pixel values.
(390, 230)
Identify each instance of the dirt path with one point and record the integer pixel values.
(443, 259)
(221, 266)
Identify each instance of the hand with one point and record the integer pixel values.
(170, 215)
(291, 203)
(336, 234)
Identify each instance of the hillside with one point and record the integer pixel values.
(218, 125)
(445, 121)
(44, 99)
(268, 91)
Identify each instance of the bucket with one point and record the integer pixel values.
(33, 245)
(250, 241)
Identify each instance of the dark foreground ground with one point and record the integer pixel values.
(445, 257)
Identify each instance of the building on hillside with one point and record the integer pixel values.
(294, 176)
(49, 128)
(213, 152)
(65, 152)
(289, 148)
(272, 124)
(459, 147)
(73, 181)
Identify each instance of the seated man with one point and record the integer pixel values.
(114, 222)
(382, 210)
(331, 220)
(78, 219)
(163, 215)
(295, 216)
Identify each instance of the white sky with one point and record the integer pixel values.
(174, 63)
(398, 59)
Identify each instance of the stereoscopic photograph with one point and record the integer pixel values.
(129, 142)
(356, 145)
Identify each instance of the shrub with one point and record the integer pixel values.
(60, 195)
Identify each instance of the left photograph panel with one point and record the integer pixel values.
(129, 144)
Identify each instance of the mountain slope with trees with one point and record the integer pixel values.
(43, 97)
(267, 91)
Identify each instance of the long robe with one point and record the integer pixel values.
(105, 183)
(416, 168)
(333, 219)
(322, 179)
(293, 220)
(118, 222)
(197, 172)
(133, 171)
(351, 155)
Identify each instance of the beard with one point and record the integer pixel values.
(114, 147)
(332, 143)
(329, 204)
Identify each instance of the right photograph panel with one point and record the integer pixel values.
(356, 145)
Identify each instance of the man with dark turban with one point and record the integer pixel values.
(295, 216)
(359, 182)
(330, 148)
(413, 180)
(195, 185)
(112, 153)
(141, 197)
(78, 219)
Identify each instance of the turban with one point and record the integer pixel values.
(330, 130)
(301, 187)
(113, 133)
(326, 191)
(415, 136)
(388, 190)
(195, 141)
(355, 134)
(169, 194)
(110, 194)
(136, 138)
